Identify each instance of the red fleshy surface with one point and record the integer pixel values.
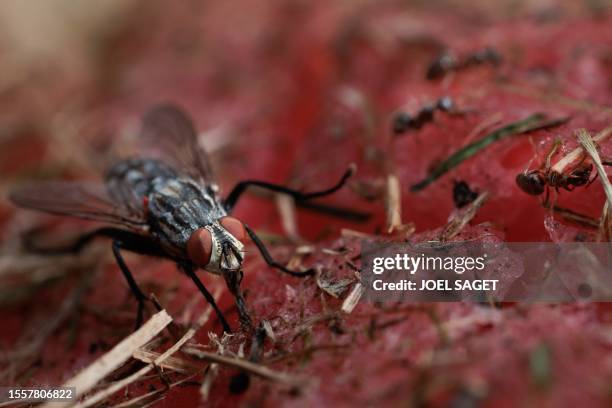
(281, 79)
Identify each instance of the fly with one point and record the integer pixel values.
(166, 207)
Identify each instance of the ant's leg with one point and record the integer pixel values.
(189, 270)
(551, 153)
(593, 179)
(546, 202)
(268, 258)
(241, 187)
(140, 297)
(606, 161)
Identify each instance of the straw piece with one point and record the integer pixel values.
(577, 152)
(245, 365)
(585, 140)
(107, 392)
(393, 203)
(95, 372)
(286, 209)
(171, 363)
(463, 217)
(353, 298)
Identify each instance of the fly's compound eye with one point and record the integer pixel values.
(199, 247)
(530, 182)
(234, 227)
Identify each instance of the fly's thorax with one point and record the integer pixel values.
(217, 247)
(178, 207)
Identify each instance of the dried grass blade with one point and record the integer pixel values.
(577, 152)
(585, 140)
(95, 372)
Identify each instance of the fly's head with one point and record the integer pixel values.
(532, 182)
(218, 247)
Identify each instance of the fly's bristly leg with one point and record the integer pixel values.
(241, 187)
(268, 258)
(136, 291)
(335, 211)
(137, 243)
(232, 280)
(74, 248)
(190, 271)
(122, 240)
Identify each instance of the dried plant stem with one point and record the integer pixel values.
(459, 221)
(94, 373)
(585, 140)
(107, 392)
(286, 209)
(573, 216)
(158, 361)
(171, 363)
(132, 402)
(353, 298)
(209, 378)
(393, 203)
(577, 152)
(245, 365)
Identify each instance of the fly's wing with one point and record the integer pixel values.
(170, 132)
(77, 199)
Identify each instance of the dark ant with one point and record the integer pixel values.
(535, 182)
(448, 62)
(463, 194)
(403, 121)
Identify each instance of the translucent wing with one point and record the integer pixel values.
(171, 135)
(77, 199)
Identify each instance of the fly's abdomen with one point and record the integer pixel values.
(131, 181)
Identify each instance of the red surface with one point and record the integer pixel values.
(277, 76)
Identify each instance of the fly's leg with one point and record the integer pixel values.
(606, 161)
(122, 240)
(546, 201)
(241, 187)
(189, 270)
(131, 241)
(136, 291)
(233, 279)
(73, 248)
(268, 258)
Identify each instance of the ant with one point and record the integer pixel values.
(403, 121)
(447, 62)
(535, 182)
(463, 194)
